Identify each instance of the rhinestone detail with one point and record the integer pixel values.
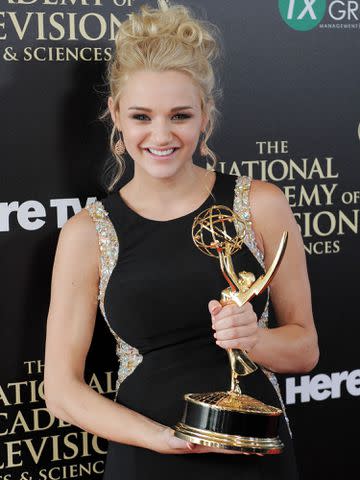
(242, 208)
(128, 356)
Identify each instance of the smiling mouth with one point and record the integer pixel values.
(161, 153)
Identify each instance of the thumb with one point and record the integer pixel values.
(214, 307)
(175, 442)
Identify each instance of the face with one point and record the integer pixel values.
(160, 121)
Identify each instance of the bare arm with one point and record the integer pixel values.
(70, 326)
(292, 346)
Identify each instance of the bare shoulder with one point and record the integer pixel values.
(268, 205)
(271, 214)
(81, 224)
(78, 240)
(264, 195)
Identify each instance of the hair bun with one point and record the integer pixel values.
(166, 22)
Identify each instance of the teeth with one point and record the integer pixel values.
(161, 152)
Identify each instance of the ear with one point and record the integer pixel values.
(114, 113)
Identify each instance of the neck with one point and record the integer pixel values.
(167, 191)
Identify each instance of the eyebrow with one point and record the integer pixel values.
(182, 107)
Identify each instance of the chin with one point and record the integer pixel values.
(164, 171)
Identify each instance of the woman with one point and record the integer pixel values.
(133, 251)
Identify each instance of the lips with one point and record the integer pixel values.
(162, 150)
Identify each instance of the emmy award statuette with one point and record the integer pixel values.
(231, 420)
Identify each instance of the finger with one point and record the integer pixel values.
(231, 452)
(239, 333)
(234, 309)
(175, 442)
(227, 322)
(214, 307)
(242, 344)
(237, 320)
(195, 448)
(228, 310)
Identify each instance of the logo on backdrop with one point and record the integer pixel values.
(304, 15)
(44, 444)
(326, 213)
(57, 33)
(32, 214)
(322, 387)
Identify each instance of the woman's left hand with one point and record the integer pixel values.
(235, 327)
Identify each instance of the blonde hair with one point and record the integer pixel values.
(160, 39)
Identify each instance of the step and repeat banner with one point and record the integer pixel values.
(290, 115)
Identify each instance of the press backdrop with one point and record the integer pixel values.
(290, 115)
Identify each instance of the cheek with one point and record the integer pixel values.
(135, 137)
(189, 136)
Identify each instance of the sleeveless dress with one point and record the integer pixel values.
(155, 285)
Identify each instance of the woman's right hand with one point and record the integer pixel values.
(167, 443)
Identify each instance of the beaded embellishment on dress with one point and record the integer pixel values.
(242, 208)
(128, 356)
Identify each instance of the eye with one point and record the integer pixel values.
(137, 116)
(182, 116)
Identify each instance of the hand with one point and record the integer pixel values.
(235, 327)
(167, 443)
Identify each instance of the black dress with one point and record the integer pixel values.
(154, 291)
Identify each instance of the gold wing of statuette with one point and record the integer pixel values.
(263, 281)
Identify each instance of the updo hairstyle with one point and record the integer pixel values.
(161, 39)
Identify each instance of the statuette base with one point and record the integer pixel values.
(230, 421)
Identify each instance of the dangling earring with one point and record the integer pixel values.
(204, 149)
(119, 146)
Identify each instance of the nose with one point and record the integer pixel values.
(161, 134)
